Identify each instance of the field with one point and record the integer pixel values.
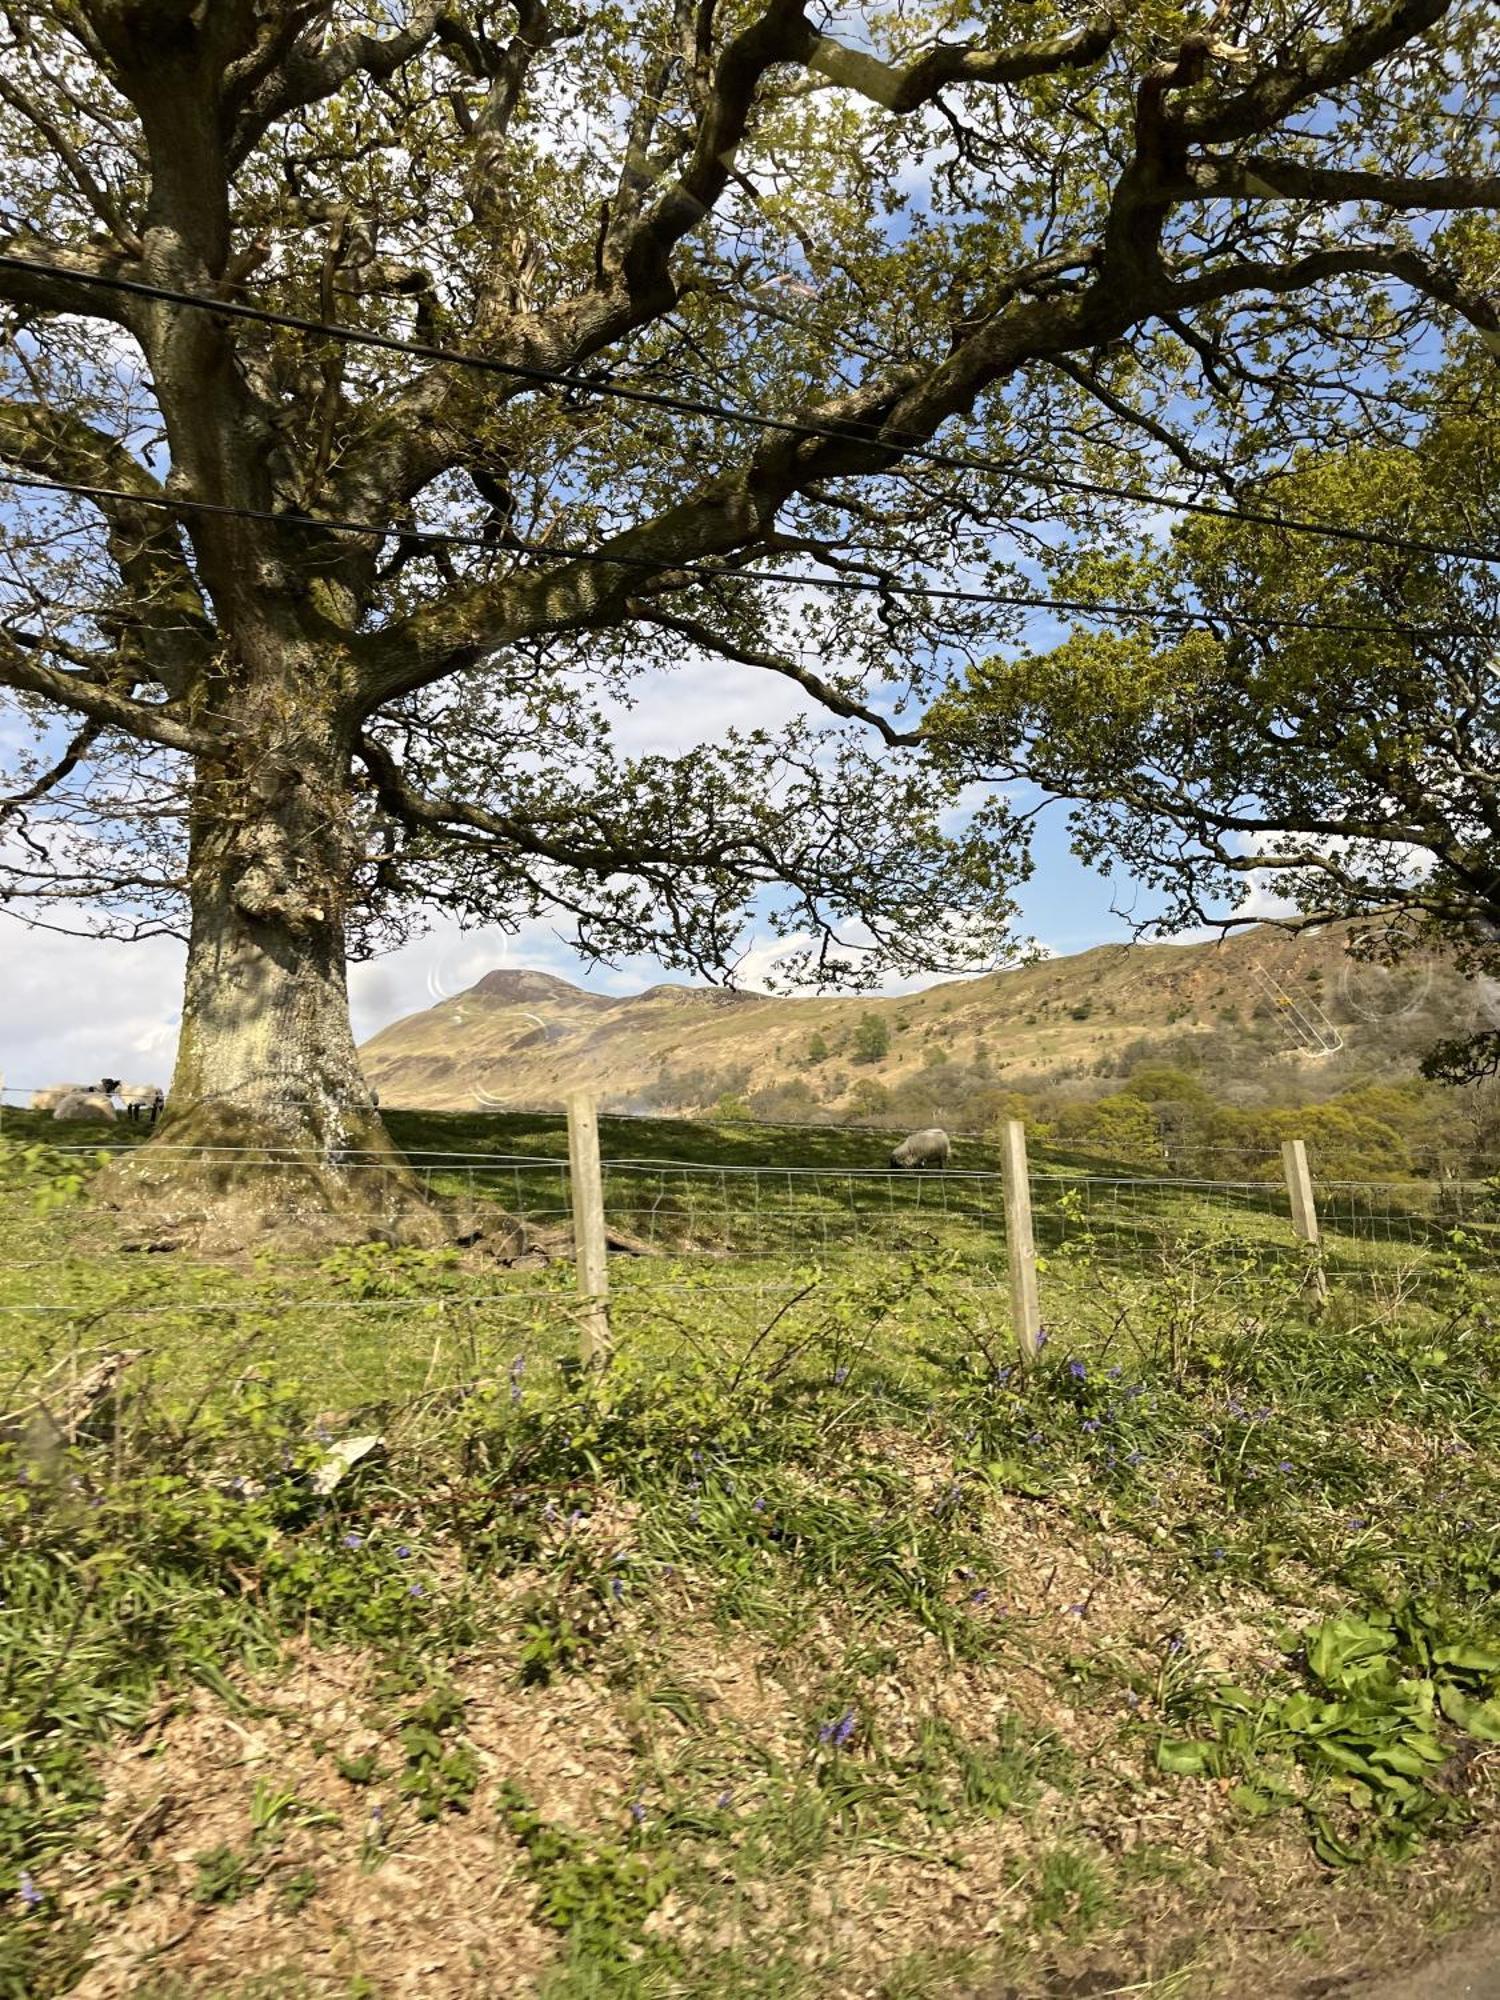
(814, 1649)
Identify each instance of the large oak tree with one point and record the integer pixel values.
(1152, 241)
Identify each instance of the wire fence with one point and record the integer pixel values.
(704, 1257)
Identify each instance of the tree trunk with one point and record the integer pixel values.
(269, 1128)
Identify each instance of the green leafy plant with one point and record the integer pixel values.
(1359, 1749)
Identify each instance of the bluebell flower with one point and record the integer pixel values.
(1042, 1339)
(415, 1590)
(1134, 1457)
(1116, 1372)
(724, 1801)
(1078, 1370)
(757, 1506)
(354, 1541)
(1357, 1521)
(979, 1596)
(1077, 1610)
(31, 1895)
(1090, 1424)
(839, 1733)
(616, 1588)
(840, 1377)
(1003, 1375)
(1284, 1465)
(638, 1811)
(402, 1552)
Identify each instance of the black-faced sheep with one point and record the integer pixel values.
(928, 1148)
(86, 1104)
(141, 1100)
(53, 1095)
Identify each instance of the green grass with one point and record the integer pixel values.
(836, 1609)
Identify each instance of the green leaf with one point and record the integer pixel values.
(1475, 1718)
(1257, 1804)
(1188, 1759)
(1468, 1658)
(1338, 1651)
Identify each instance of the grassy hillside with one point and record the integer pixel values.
(813, 1652)
(1260, 1018)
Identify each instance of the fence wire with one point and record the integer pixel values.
(707, 1257)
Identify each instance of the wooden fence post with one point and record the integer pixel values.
(1304, 1207)
(1020, 1244)
(586, 1193)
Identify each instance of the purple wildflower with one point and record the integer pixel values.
(415, 1590)
(1042, 1339)
(1090, 1424)
(1003, 1375)
(1078, 1370)
(1134, 1457)
(402, 1552)
(757, 1506)
(724, 1801)
(980, 1596)
(354, 1541)
(31, 1895)
(840, 1377)
(638, 1811)
(616, 1588)
(1078, 1610)
(1357, 1521)
(839, 1733)
(1284, 1465)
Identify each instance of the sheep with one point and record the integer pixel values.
(141, 1100)
(928, 1148)
(90, 1104)
(53, 1095)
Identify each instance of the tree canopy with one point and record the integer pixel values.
(1334, 733)
(882, 303)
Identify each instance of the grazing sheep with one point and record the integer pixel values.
(90, 1104)
(928, 1148)
(53, 1095)
(141, 1100)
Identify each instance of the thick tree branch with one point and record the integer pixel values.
(1319, 69)
(84, 696)
(904, 87)
(276, 78)
(1262, 179)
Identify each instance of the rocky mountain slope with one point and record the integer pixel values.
(1260, 1017)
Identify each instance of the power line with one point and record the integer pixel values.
(421, 350)
(847, 585)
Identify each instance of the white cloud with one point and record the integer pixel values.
(75, 1009)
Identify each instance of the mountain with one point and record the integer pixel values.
(1260, 1017)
